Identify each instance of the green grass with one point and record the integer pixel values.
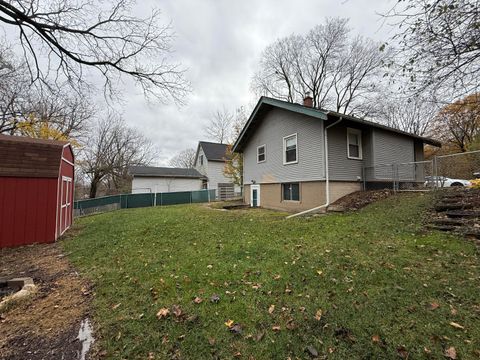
(380, 270)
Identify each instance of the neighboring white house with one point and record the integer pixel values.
(210, 162)
(148, 179)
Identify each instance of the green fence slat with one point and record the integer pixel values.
(128, 201)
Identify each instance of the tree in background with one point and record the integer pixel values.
(458, 124)
(112, 149)
(77, 35)
(220, 127)
(414, 115)
(184, 159)
(438, 44)
(233, 167)
(39, 110)
(337, 70)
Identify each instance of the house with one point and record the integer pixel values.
(36, 190)
(210, 161)
(149, 179)
(284, 147)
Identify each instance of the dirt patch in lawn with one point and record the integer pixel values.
(360, 199)
(45, 325)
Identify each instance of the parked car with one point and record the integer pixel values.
(443, 181)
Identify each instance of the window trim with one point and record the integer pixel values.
(360, 150)
(264, 153)
(299, 192)
(285, 149)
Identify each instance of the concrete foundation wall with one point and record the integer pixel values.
(312, 194)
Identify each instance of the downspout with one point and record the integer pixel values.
(327, 178)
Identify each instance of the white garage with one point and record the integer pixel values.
(148, 179)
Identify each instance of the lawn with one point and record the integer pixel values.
(367, 285)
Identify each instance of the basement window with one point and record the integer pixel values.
(354, 144)
(291, 191)
(261, 154)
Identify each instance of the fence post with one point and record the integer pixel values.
(363, 178)
(435, 172)
(393, 177)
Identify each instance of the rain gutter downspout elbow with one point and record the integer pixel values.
(327, 178)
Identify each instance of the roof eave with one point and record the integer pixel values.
(239, 146)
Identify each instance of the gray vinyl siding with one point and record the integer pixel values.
(391, 148)
(342, 168)
(277, 124)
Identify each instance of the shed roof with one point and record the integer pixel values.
(266, 103)
(152, 171)
(27, 157)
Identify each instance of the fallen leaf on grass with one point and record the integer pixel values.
(162, 313)
(276, 327)
(271, 309)
(456, 325)
(376, 338)
(236, 329)
(197, 300)
(319, 272)
(451, 353)
(276, 277)
(312, 351)
(229, 323)
(433, 306)
(211, 341)
(291, 325)
(177, 311)
(318, 315)
(215, 298)
(260, 335)
(402, 352)
(114, 307)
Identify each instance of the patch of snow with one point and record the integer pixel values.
(86, 338)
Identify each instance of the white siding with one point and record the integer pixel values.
(158, 184)
(213, 170)
(277, 124)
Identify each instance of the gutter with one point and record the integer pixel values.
(327, 179)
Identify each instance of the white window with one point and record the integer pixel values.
(290, 149)
(201, 159)
(354, 144)
(261, 154)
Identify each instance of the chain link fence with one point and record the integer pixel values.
(453, 170)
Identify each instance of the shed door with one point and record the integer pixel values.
(66, 204)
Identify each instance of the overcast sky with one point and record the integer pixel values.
(220, 43)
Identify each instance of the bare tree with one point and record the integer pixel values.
(75, 35)
(337, 71)
(438, 44)
(411, 114)
(184, 159)
(220, 127)
(39, 111)
(112, 149)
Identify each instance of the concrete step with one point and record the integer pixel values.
(453, 206)
(466, 214)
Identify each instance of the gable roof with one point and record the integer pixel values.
(213, 151)
(27, 157)
(265, 104)
(152, 171)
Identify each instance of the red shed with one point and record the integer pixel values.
(36, 190)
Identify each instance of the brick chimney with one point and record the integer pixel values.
(308, 100)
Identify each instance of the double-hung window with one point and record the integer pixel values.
(291, 191)
(290, 149)
(261, 154)
(354, 144)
